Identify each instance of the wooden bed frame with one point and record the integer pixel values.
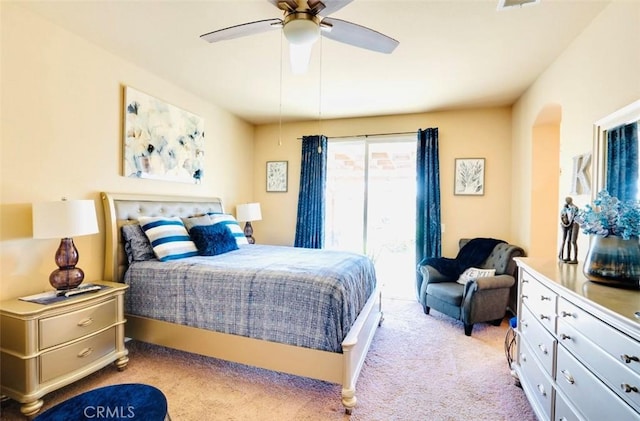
(340, 368)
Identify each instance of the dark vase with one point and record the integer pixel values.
(614, 261)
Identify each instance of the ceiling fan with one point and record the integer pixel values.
(303, 23)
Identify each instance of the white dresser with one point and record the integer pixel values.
(578, 346)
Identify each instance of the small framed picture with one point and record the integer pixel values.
(277, 176)
(469, 177)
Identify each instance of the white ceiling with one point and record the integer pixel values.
(452, 54)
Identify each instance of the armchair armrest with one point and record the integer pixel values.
(432, 275)
(485, 283)
(497, 281)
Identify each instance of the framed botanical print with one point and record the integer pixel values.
(469, 177)
(277, 176)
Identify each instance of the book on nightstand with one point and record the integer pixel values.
(49, 297)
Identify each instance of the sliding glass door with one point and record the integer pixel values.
(371, 200)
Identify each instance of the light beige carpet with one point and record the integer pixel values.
(419, 368)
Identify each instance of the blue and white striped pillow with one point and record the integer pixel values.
(168, 237)
(232, 224)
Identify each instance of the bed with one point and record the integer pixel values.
(282, 347)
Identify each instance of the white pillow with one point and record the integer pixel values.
(168, 237)
(232, 224)
(474, 273)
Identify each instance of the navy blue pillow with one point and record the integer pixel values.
(212, 240)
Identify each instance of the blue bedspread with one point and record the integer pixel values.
(303, 297)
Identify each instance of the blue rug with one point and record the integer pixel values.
(132, 401)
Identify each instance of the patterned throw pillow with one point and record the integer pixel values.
(232, 224)
(136, 244)
(212, 240)
(196, 220)
(474, 273)
(168, 237)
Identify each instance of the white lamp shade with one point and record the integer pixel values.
(248, 212)
(64, 219)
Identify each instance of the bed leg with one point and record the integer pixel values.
(349, 400)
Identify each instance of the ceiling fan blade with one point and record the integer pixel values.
(358, 36)
(242, 30)
(330, 6)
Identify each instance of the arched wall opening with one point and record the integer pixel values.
(545, 177)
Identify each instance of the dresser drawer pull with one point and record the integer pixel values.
(525, 297)
(564, 336)
(543, 297)
(85, 322)
(525, 281)
(628, 358)
(524, 323)
(567, 314)
(542, 391)
(568, 376)
(628, 388)
(85, 352)
(543, 349)
(523, 357)
(542, 317)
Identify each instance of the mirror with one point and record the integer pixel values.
(614, 130)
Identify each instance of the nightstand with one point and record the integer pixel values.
(44, 347)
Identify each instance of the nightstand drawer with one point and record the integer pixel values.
(77, 355)
(67, 327)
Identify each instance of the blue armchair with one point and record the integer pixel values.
(483, 299)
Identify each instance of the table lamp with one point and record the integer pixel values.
(247, 213)
(65, 219)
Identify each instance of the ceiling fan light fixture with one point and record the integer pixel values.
(301, 28)
(299, 56)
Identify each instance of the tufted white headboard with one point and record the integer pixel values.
(122, 208)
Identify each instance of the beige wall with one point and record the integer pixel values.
(482, 133)
(596, 75)
(61, 136)
(61, 116)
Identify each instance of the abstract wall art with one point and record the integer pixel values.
(161, 141)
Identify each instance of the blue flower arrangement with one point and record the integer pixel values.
(610, 217)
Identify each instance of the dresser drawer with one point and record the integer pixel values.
(564, 411)
(537, 385)
(69, 326)
(541, 342)
(77, 355)
(620, 346)
(587, 393)
(540, 300)
(613, 372)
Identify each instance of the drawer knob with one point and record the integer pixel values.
(542, 317)
(542, 391)
(525, 281)
(628, 388)
(628, 358)
(568, 377)
(564, 336)
(566, 314)
(523, 357)
(543, 349)
(85, 352)
(85, 322)
(543, 297)
(524, 297)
